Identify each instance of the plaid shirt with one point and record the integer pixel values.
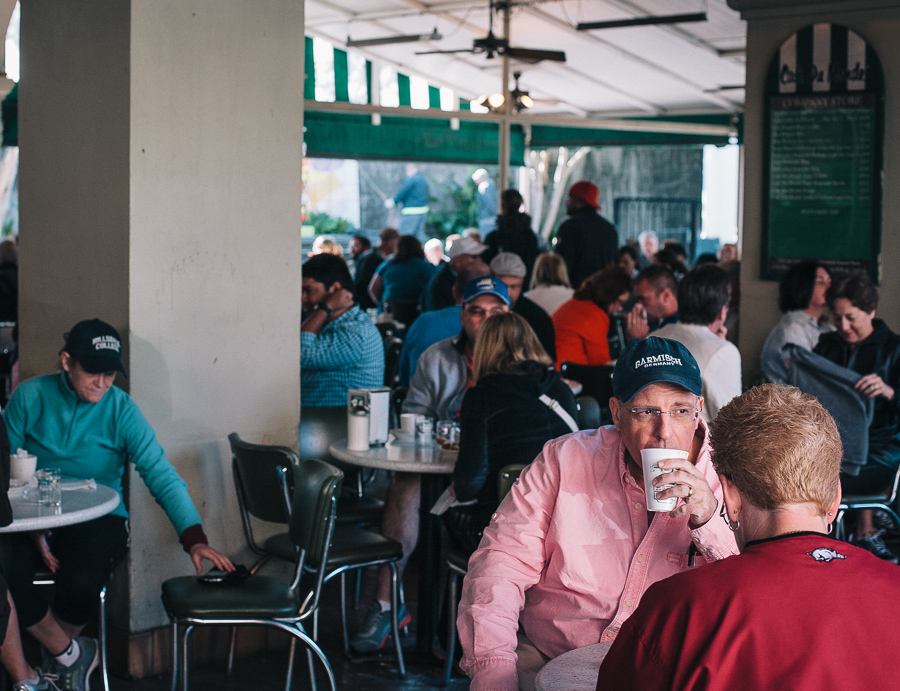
(347, 354)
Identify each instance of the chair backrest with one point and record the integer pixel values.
(508, 475)
(596, 380)
(316, 487)
(255, 469)
(588, 412)
(404, 311)
(392, 349)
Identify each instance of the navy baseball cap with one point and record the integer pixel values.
(96, 346)
(655, 361)
(485, 285)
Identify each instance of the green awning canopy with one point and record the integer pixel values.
(337, 135)
(549, 135)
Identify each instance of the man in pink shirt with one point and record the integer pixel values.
(572, 548)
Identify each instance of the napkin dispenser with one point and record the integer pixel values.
(378, 403)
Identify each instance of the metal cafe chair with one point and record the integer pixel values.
(458, 565)
(259, 600)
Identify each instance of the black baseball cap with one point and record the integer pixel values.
(96, 346)
(655, 361)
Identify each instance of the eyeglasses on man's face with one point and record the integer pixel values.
(681, 414)
(481, 313)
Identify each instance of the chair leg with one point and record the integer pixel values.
(452, 582)
(313, 648)
(174, 686)
(290, 667)
(395, 605)
(232, 644)
(344, 631)
(185, 655)
(104, 668)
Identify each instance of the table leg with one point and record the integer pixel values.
(429, 561)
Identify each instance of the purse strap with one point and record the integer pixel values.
(554, 405)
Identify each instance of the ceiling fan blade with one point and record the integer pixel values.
(448, 52)
(534, 55)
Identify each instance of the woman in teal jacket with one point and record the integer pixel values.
(79, 422)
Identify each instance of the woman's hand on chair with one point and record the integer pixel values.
(200, 552)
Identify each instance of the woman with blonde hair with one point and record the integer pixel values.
(503, 418)
(550, 285)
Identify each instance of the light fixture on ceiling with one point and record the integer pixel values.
(520, 99)
(652, 20)
(390, 40)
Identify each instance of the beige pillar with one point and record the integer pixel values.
(160, 190)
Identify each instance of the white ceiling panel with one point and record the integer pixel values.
(653, 69)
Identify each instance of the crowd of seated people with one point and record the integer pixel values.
(480, 355)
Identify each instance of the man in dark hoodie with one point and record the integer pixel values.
(586, 240)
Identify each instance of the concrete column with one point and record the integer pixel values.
(769, 23)
(160, 190)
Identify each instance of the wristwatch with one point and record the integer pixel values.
(325, 308)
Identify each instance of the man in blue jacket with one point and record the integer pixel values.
(413, 195)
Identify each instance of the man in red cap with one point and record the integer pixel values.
(586, 241)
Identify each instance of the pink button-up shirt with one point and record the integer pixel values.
(568, 555)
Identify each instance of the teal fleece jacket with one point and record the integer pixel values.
(93, 440)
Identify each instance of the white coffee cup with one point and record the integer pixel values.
(22, 467)
(650, 459)
(408, 423)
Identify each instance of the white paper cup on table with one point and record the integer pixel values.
(408, 423)
(22, 467)
(650, 459)
(49, 487)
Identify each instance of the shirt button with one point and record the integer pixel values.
(696, 539)
(493, 516)
(628, 603)
(637, 505)
(640, 557)
(611, 634)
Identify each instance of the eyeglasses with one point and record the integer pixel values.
(652, 415)
(480, 312)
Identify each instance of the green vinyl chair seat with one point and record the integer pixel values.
(353, 509)
(257, 597)
(353, 545)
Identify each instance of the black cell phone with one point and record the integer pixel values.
(214, 576)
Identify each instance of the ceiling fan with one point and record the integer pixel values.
(492, 46)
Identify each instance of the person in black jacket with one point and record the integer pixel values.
(867, 346)
(368, 262)
(586, 240)
(510, 269)
(513, 233)
(502, 419)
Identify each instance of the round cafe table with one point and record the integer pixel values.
(432, 462)
(76, 506)
(575, 670)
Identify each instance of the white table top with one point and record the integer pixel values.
(575, 670)
(77, 506)
(403, 456)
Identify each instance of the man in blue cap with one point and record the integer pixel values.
(442, 376)
(571, 550)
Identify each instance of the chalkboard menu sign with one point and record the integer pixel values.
(824, 134)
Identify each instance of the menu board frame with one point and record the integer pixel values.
(823, 153)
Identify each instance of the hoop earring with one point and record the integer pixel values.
(829, 528)
(734, 525)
